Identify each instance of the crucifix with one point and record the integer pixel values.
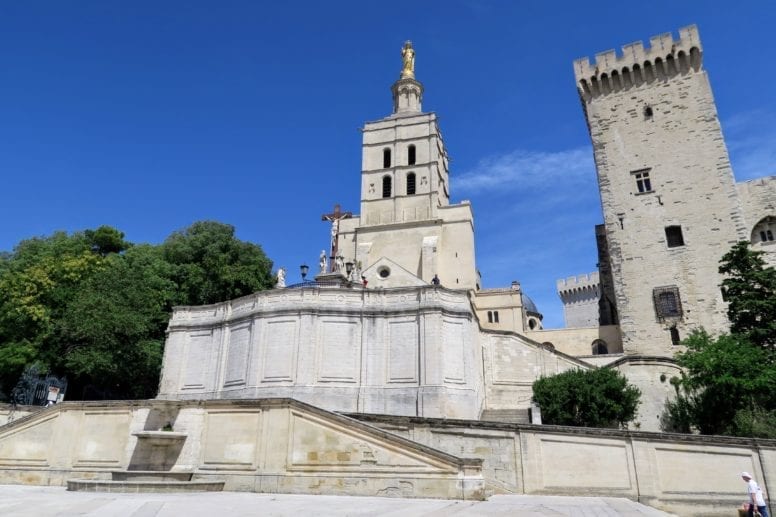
(335, 217)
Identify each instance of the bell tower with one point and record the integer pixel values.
(405, 213)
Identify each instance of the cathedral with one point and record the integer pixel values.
(394, 373)
(396, 321)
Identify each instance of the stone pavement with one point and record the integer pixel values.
(35, 501)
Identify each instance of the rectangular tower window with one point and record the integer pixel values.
(495, 316)
(674, 236)
(643, 183)
(667, 302)
(675, 339)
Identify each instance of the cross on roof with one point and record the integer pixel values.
(335, 217)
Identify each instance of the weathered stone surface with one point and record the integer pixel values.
(671, 206)
(273, 445)
(405, 351)
(685, 474)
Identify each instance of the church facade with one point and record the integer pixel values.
(405, 330)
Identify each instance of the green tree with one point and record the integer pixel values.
(211, 265)
(36, 281)
(750, 290)
(111, 336)
(600, 397)
(106, 239)
(727, 383)
(94, 307)
(726, 387)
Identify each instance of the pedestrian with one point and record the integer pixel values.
(435, 280)
(756, 499)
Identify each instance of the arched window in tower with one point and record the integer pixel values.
(764, 229)
(599, 347)
(411, 155)
(411, 184)
(386, 158)
(386, 186)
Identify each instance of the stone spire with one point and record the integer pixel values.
(407, 92)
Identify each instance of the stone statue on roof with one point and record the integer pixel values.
(408, 61)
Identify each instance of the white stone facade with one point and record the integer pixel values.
(415, 351)
(404, 351)
(671, 206)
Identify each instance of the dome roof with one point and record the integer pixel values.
(529, 305)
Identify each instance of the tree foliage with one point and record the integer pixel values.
(727, 383)
(94, 307)
(750, 290)
(211, 265)
(587, 398)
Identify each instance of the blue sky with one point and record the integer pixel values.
(148, 116)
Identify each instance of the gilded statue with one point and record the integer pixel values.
(408, 61)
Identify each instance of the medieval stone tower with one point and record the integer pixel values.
(669, 199)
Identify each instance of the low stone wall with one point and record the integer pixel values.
(682, 474)
(270, 445)
(9, 413)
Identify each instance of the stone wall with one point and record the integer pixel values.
(9, 413)
(652, 375)
(683, 474)
(406, 351)
(273, 445)
(511, 364)
(758, 201)
(579, 341)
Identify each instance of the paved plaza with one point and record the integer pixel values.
(35, 501)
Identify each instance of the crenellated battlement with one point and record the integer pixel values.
(665, 57)
(577, 284)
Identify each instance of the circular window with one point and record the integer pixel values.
(384, 272)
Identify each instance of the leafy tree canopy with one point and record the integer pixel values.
(211, 265)
(727, 384)
(750, 290)
(587, 398)
(94, 307)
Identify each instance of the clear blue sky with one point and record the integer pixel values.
(148, 116)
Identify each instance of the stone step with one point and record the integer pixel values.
(101, 485)
(150, 475)
(514, 416)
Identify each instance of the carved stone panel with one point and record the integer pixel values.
(279, 346)
(238, 350)
(403, 351)
(339, 351)
(198, 360)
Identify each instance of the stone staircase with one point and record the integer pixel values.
(146, 481)
(149, 470)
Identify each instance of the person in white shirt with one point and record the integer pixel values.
(755, 495)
